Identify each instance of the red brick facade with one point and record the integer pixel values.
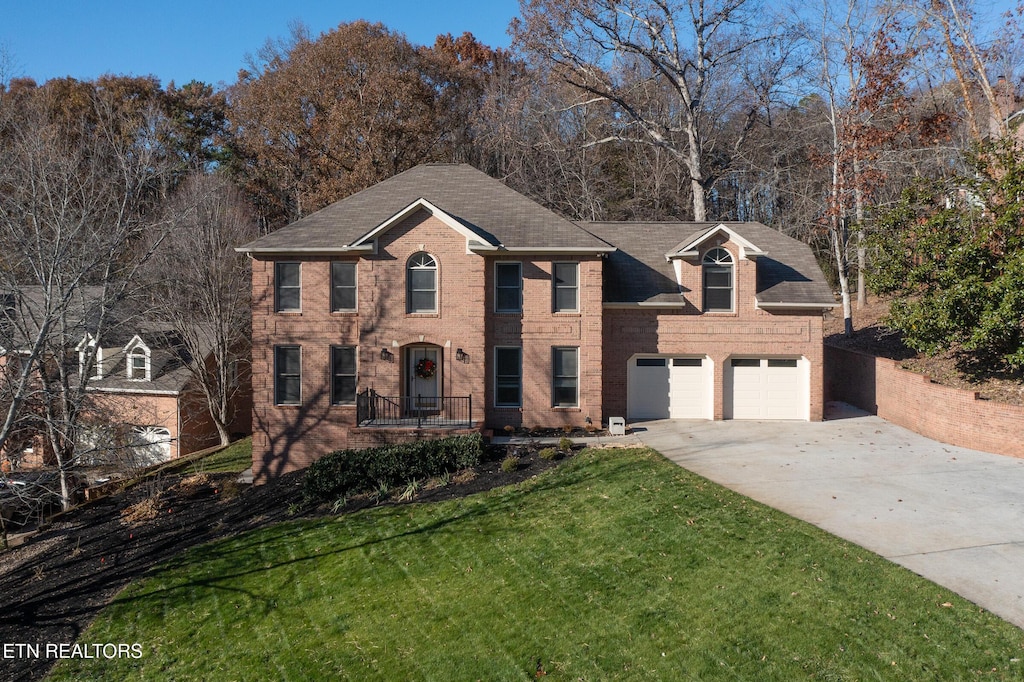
(913, 401)
(290, 437)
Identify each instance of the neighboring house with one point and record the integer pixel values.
(441, 300)
(143, 404)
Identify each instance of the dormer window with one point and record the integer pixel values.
(718, 281)
(88, 349)
(138, 363)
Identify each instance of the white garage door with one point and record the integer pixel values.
(669, 388)
(766, 388)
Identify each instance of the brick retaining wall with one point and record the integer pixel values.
(913, 401)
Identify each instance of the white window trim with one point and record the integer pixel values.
(518, 309)
(554, 402)
(277, 288)
(508, 405)
(87, 345)
(437, 284)
(355, 267)
(732, 281)
(555, 287)
(131, 351)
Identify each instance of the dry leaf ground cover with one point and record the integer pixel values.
(614, 565)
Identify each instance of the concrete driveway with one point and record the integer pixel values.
(952, 515)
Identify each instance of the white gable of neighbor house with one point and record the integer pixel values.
(472, 238)
(135, 344)
(690, 249)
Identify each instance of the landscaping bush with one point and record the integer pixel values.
(565, 444)
(346, 472)
(510, 464)
(548, 453)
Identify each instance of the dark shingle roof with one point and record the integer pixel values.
(639, 272)
(496, 213)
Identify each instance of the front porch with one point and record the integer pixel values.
(413, 412)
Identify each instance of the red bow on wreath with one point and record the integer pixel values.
(425, 368)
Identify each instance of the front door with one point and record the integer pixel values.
(423, 383)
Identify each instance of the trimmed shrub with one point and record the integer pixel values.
(548, 453)
(510, 464)
(347, 472)
(565, 444)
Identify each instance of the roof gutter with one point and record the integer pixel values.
(306, 250)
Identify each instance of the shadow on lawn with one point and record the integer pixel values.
(280, 539)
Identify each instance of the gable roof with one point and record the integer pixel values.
(689, 247)
(640, 271)
(495, 216)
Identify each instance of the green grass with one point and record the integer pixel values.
(235, 458)
(617, 565)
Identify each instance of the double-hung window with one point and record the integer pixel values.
(565, 283)
(287, 287)
(343, 287)
(287, 375)
(421, 284)
(343, 375)
(508, 287)
(508, 377)
(718, 281)
(565, 376)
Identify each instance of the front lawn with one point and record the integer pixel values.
(235, 458)
(616, 565)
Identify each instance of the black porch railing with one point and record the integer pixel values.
(449, 412)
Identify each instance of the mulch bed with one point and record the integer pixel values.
(58, 582)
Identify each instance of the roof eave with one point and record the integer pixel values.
(782, 305)
(543, 250)
(306, 250)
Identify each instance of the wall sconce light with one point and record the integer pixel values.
(386, 355)
(461, 356)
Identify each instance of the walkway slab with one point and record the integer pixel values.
(952, 515)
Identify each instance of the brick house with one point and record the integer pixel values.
(142, 402)
(442, 300)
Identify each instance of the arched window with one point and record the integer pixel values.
(718, 282)
(421, 284)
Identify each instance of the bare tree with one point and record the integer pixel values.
(204, 291)
(679, 74)
(76, 188)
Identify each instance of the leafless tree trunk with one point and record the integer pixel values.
(204, 290)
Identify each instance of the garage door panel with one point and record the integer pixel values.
(668, 388)
(648, 388)
(766, 388)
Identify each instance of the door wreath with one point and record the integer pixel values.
(426, 368)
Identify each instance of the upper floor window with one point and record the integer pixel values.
(138, 364)
(287, 287)
(508, 287)
(565, 280)
(343, 286)
(90, 351)
(421, 284)
(718, 281)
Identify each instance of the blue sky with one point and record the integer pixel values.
(208, 40)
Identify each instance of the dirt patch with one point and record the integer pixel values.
(57, 583)
(954, 369)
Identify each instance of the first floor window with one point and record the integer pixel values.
(508, 377)
(343, 375)
(287, 375)
(565, 376)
